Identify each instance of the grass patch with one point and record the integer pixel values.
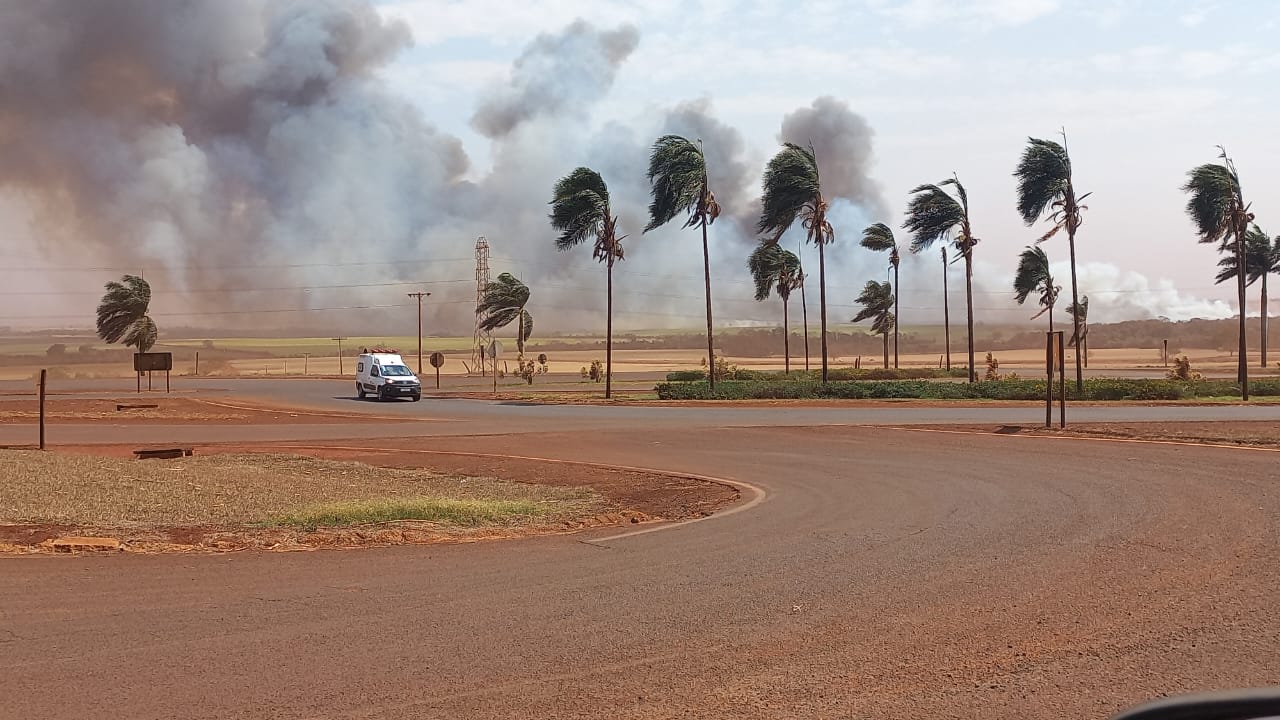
(451, 511)
(1095, 389)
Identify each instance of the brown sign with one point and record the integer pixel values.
(437, 359)
(148, 362)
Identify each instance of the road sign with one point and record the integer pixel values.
(437, 359)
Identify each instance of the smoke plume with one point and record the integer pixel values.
(841, 139)
(556, 73)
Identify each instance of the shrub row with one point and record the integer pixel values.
(1094, 389)
(814, 375)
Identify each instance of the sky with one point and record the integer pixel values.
(1145, 90)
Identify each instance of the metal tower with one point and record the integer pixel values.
(480, 338)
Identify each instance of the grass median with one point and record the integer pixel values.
(1095, 389)
(264, 490)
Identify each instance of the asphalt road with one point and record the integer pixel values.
(887, 573)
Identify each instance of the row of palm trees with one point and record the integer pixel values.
(936, 214)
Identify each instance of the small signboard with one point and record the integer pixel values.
(437, 359)
(152, 362)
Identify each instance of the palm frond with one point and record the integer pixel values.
(790, 183)
(528, 328)
(1259, 258)
(1214, 201)
(876, 300)
(1044, 175)
(124, 304)
(503, 302)
(932, 214)
(579, 207)
(678, 180)
(773, 269)
(1033, 276)
(878, 237)
(142, 334)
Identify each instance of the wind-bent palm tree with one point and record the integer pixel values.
(580, 210)
(1033, 276)
(877, 300)
(1080, 319)
(1044, 184)
(946, 308)
(505, 301)
(122, 314)
(879, 238)
(1219, 212)
(792, 190)
(934, 215)
(1261, 258)
(777, 270)
(678, 177)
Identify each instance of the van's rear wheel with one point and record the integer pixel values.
(359, 391)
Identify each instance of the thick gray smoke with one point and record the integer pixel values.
(555, 73)
(729, 169)
(841, 139)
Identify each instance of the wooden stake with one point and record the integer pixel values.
(42, 387)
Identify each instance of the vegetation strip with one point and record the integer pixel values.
(1096, 389)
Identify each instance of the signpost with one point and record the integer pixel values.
(495, 351)
(437, 361)
(42, 379)
(148, 362)
(1055, 358)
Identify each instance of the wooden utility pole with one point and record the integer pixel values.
(419, 296)
(306, 362)
(42, 394)
(339, 339)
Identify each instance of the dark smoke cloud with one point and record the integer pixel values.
(556, 72)
(729, 169)
(841, 140)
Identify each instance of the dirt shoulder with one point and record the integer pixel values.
(242, 497)
(168, 411)
(1247, 433)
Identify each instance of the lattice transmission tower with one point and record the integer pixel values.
(481, 337)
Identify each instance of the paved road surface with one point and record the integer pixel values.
(888, 573)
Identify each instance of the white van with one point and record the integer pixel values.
(385, 376)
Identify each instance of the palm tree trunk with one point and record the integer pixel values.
(886, 350)
(895, 317)
(968, 293)
(1263, 344)
(804, 305)
(608, 333)
(520, 336)
(822, 305)
(1243, 362)
(706, 272)
(1075, 317)
(946, 311)
(786, 342)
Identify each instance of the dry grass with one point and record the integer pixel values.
(40, 487)
(451, 511)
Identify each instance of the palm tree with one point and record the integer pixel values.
(678, 176)
(1080, 320)
(879, 238)
(778, 270)
(1033, 276)
(792, 190)
(934, 215)
(1261, 258)
(122, 314)
(877, 301)
(1219, 212)
(1044, 184)
(505, 301)
(580, 210)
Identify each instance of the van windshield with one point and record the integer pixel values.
(395, 370)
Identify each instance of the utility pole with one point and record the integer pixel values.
(419, 296)
(306, 362)
(339, 339)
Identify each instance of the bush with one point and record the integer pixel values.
(815, 375)
(1095, 389)
(686, 375)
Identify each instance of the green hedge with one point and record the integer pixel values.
(1094, 389)
(833, 374)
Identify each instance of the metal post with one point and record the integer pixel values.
(339, 339)
(437, 378)
(1166, 353)
(419, 296)
(306, 362)
(1062, 379)
(1048, 385)
(166, 382)
(42, 386)
(197, 372)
